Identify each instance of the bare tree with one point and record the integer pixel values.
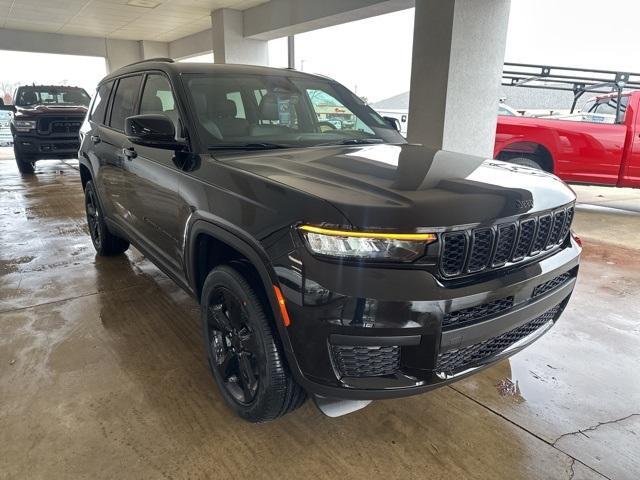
(7, 88)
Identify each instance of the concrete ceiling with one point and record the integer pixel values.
(162, 20)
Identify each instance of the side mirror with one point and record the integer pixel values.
(152, 130)
(392, 122)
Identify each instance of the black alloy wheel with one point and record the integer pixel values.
(243, 348)
(93, 219)
(105, 242)
(233, 345)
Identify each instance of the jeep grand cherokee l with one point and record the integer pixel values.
(341, 263)
(46, 123)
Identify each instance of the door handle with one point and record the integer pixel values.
(129, 152)
(95, 138)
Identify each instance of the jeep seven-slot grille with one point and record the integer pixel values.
(360, 361)
(480, 249)
(456, 360)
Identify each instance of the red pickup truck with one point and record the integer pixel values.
(600, 145)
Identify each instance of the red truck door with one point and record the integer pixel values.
(630, 169)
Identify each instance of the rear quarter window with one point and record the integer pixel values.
(99, 107)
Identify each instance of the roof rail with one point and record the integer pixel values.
(158, 59)
(570, 79)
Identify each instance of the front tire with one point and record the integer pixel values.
(24, 162)
(105, 242)
(246, 362)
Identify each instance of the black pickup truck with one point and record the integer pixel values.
(46, 123)
(330, 259)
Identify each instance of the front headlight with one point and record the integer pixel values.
(399, 247)
(25, 125)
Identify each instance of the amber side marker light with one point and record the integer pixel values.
(423, 237)
(283, 307)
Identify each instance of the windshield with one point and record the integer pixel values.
(28, 96)
(282, 111)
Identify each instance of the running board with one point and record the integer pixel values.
(337, 407)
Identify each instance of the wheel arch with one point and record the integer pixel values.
(210, 244)
(257, 258)
(532, 149)
(85, 175)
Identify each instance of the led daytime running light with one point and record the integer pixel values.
(423, 237)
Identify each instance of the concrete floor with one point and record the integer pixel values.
(103, 375)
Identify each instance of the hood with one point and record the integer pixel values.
(35, 110)
(404, 187)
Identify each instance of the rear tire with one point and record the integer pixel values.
(105, 242)
(245, 359)
(24, 162)
(526, 162)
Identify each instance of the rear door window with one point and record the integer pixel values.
(124, 101)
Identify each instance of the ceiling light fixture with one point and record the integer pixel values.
(143, 3)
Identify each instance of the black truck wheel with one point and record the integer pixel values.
(24, 163)
(246, 361)
(105, 242)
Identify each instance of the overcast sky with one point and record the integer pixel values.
(373, 56)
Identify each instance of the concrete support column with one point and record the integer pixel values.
(152, 49)
(229, 42)
(291, 51)
(458, 54)
(121, 52)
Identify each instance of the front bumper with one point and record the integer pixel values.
(38, 147)
(371, 333)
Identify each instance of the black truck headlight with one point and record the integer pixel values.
(399, 247)
(25, 125)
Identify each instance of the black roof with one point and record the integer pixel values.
(170, 66)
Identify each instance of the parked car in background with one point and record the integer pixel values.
(600, 145)
(330, 260)
(6, 139)
(45, 123)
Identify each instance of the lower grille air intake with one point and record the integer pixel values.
(551, 284)
(453, 361)
(360, 361)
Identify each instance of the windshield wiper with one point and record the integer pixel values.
(353, 141)
(247, 146)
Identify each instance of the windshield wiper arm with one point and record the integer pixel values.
(247, 146)
(353, 141)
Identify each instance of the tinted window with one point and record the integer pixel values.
(99, 106)
(157, 96)
(124, 101)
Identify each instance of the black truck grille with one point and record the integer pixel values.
(481, 249)
(453, 361)
(360, 361)
(61, 125)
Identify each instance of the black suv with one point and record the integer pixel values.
(46, 122)
(330, 258)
